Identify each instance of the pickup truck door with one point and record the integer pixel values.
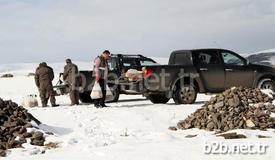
(237, 72)
(210, 67)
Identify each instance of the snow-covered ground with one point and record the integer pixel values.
(132, 128)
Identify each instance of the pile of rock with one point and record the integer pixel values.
(236, 108)
(14, 121)
(31, 75)
(7, 76)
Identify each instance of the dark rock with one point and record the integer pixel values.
(27, 135)
(173, 128)
(28, 125)
(257, 112)
(14, 121)
(37, 142)
(236, 108)
(191, 136)
(232, 136)
(215, 117)
(260, 136)
(51, 145)
(37, 135)
(241, 123)
(31, 75)
(49, 133)
(219, 104)
(7, 75)
(234, 102)
(210, 126)
(3, 153)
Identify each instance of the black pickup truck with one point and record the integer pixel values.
(118, 65)
(203, 71)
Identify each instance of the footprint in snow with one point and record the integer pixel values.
(72, 141)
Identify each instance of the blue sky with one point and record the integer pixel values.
(53, 30)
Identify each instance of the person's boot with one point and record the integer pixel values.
(55, 105)
(74, 103)
(97, 104)
(104, 105)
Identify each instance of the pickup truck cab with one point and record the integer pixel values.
(203, 71)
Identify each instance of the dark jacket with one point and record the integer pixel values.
(70, 73)
(43, 76)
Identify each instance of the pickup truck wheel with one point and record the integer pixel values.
(158, 99)
(267, 84)
(185, 95)
(85, 97)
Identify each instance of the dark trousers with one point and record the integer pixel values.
(101, 101)
(46, 93)
(74, 96)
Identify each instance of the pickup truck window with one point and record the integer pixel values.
(231, 59)
(205, 58)
(130, 62)
(183, 58)
(112, 64)
(147, 63)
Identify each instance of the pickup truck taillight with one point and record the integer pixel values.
(147, 73)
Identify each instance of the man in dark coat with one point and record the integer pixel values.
(70, 75)
(100, 73)
(44, 76)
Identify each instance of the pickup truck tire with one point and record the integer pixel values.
(267, 84)
(158, 98)
(85, 97)
(186, 94)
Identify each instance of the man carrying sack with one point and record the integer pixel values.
(100, 73)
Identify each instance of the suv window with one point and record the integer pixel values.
(231, 59)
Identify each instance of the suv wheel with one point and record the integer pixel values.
(186, 94)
